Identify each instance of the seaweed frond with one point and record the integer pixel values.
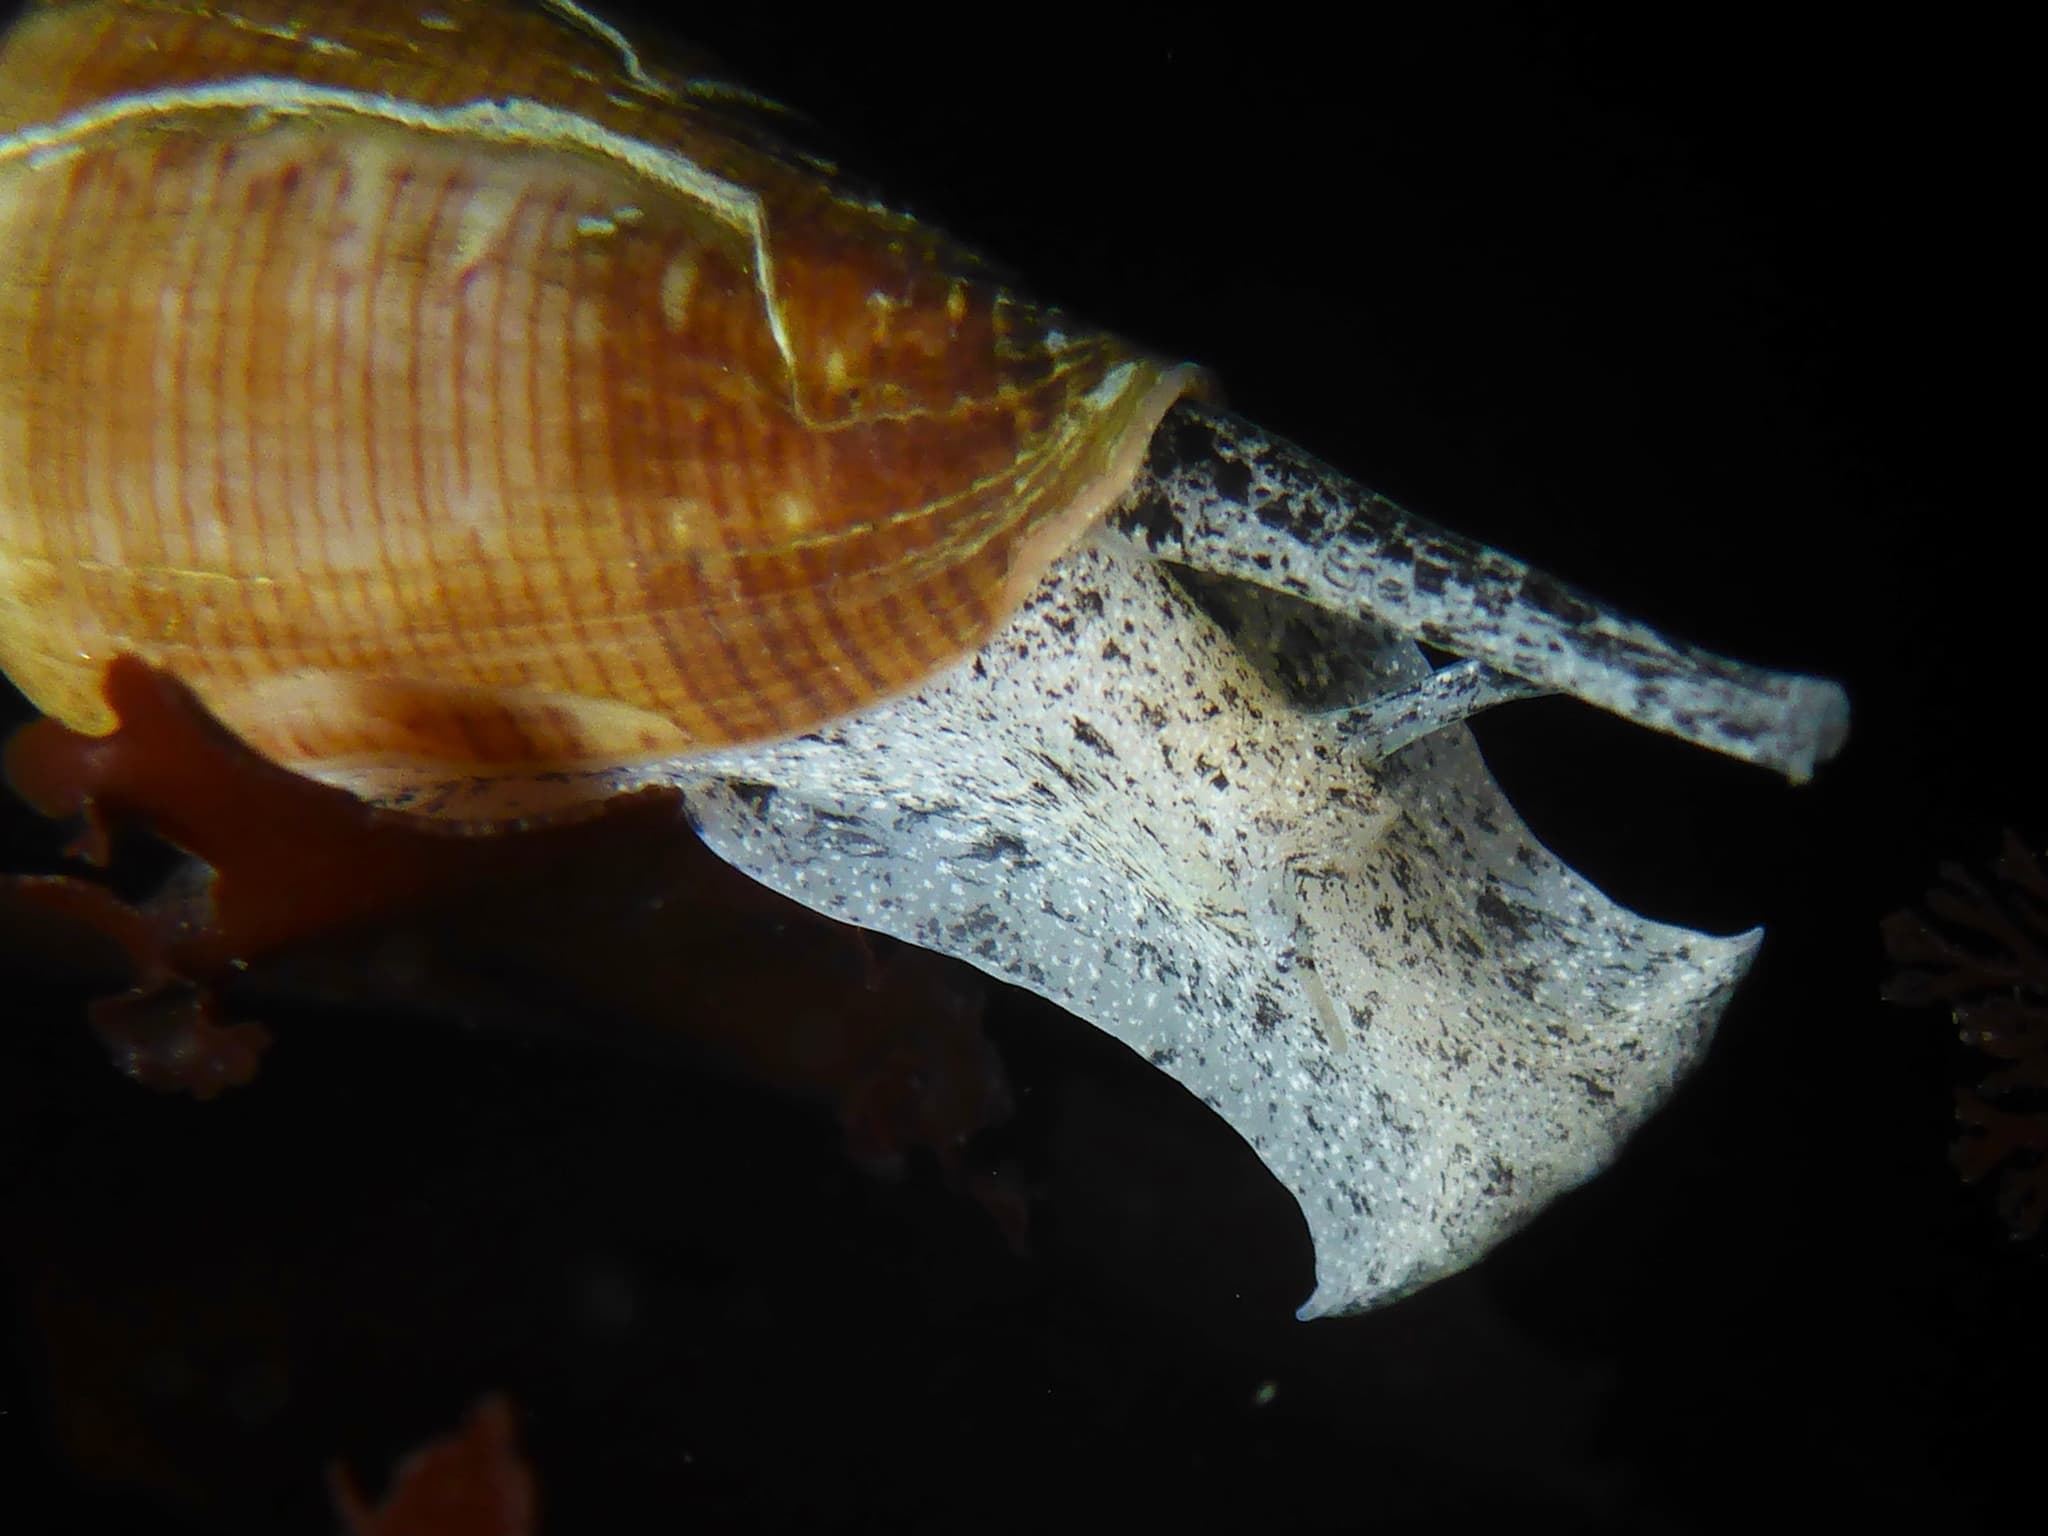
(1980, 948)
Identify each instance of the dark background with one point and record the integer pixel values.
(1720, 318)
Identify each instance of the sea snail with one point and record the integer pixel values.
(452, 386)
(466, 396)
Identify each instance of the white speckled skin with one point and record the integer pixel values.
(1425, 1024)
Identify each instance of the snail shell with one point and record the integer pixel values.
(461, 388)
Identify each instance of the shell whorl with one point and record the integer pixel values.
(460, 387)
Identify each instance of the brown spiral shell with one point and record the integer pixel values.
(458, 386)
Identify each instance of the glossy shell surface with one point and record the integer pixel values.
(462, 386)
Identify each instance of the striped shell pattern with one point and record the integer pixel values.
(461, 387)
